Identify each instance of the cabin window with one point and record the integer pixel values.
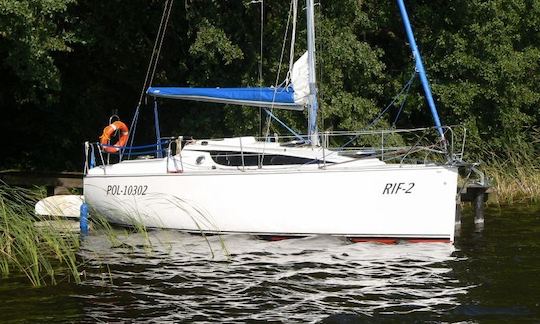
(199, 160)
(252, 159)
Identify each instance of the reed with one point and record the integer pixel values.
(134, 218)
(515, 176)
(41, 253)
(40, 249)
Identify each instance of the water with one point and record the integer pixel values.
(492, 275)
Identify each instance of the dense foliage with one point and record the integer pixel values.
(66, 65)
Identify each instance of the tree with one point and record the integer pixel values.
(67, 65)
(32, 34)
(484, 58)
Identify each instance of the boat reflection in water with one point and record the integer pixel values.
(238, 277)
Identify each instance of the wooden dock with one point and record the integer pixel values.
(55, 182)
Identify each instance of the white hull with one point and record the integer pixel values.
(268, 187)
(379, 201)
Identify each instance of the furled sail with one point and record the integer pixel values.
(292, 97)
(300, 79)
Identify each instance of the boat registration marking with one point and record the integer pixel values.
(395, 188)
(131, 190)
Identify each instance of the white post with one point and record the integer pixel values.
(179, 151)
(86, 152)
(242, 154)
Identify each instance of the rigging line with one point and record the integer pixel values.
(261, 63)
(405, 87)
(294, 4)
(152, 63)
(133, 129)
(261, 43)
(283, 124)
(161, 42)
(277, 84)
(261, 48)
(261, 40)
(283, 45)
(404, 100)
(156, 42)
(268, 118)
(405, 90)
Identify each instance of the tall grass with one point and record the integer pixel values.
(515, 173)
(516, 179)
(41, 253)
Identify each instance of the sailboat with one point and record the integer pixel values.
(280, 186)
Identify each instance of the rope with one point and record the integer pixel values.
(262, 39)
(291, 59)
(408, 87)
(294, 4)
(169, 8)
(282, 124)
(158, 42)
(152, 65)
(261, 62)
(282, 54)
(269, 112)
(133, 128)
(405, 90)
(260, 58)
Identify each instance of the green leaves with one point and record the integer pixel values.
(212, 46)
(30, 36)
(71, 61)
(485, 66)
(352, 71)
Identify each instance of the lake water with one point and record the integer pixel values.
(489, 275)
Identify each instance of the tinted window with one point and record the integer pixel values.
(252, 159)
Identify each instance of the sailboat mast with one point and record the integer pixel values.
(313, 104)
(420, 67)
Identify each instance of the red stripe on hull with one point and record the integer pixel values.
(380, 240)
(396, 240)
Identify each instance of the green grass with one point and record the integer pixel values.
(41, 248)
(45, 251)
(515, 177)
(42, 253)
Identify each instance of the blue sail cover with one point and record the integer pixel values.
(283, 98)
